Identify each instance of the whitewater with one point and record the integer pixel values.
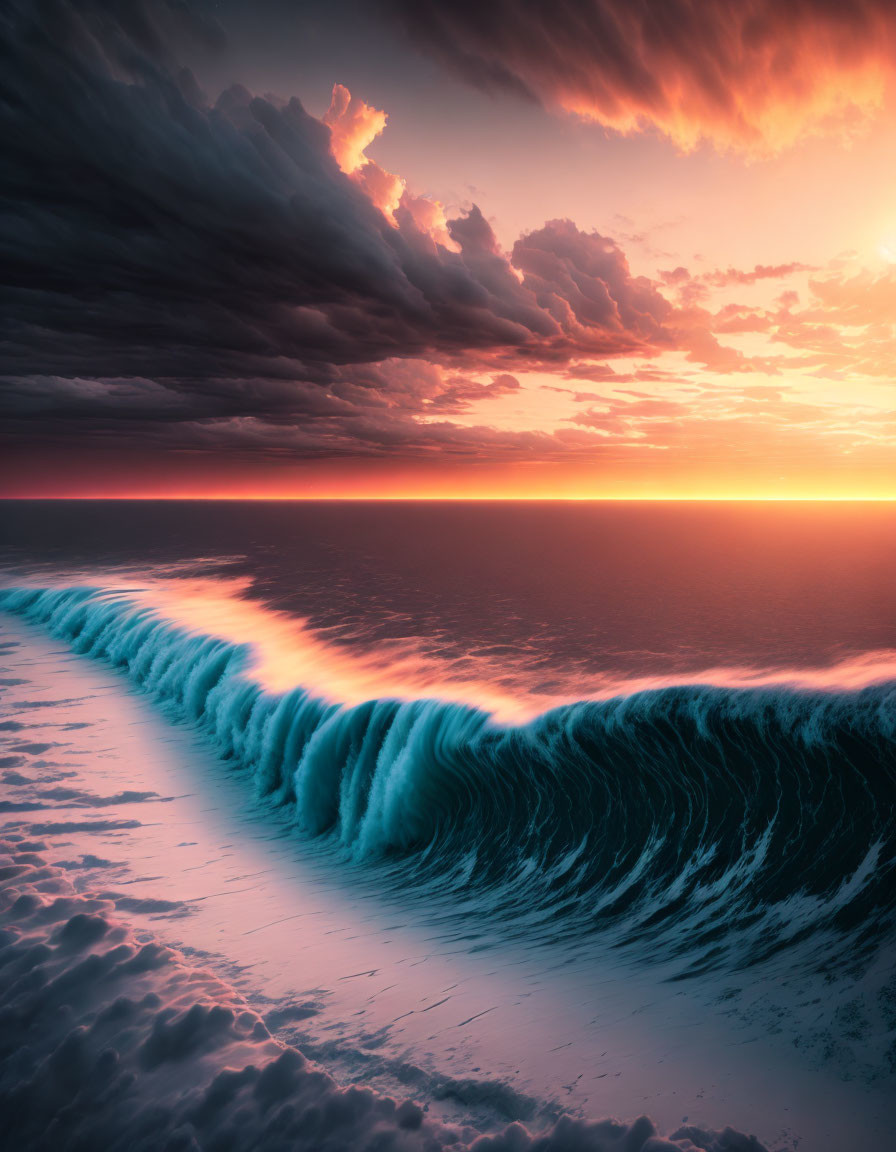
(719, 813)
(720, 857)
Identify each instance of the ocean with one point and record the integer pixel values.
(533, 814)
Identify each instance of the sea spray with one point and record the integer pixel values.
(718, 826)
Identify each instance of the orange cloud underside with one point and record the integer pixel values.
(670, 374)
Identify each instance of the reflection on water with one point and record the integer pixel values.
(587, 591)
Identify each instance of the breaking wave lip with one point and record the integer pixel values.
(720, 827)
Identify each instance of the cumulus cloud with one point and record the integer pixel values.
(110, 1042)
(353, 126)
(756, 75)
(249, 279)
(584, 282)
(231, 242)
(250, 282)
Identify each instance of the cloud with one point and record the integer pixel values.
(249, 280)
(231, 243)
(462, 392)
(847, 327)
(110, 1042)
(584, 282)
(757, 76)
(353, 126)
(346, 411)
(730, 423)
(722, 279)
(735, 318)
(251, 283)
(690, 286)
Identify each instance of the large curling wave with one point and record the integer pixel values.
(710, 826)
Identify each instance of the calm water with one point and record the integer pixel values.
(543, 588)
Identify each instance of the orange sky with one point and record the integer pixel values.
(710, 311)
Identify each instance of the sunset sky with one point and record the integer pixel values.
(581, 249)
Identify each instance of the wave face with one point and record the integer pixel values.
(714, 828)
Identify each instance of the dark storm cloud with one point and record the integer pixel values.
(748, 73)
(461, 392)
(583, 281)
(114, 1043)
(361, 410)
(172, 263)
(146, 231)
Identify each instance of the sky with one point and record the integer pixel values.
(405, 248)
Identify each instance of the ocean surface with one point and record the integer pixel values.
(532, 814)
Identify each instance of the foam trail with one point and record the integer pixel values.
(717, 826)
(114, 1042)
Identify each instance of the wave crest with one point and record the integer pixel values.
(718, 826)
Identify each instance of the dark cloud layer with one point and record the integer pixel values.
(749, 73)
(170, 259)
(107, 1042)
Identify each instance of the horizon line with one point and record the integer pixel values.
(311, 499)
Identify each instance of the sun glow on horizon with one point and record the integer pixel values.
(461, 496)
(361, 318)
